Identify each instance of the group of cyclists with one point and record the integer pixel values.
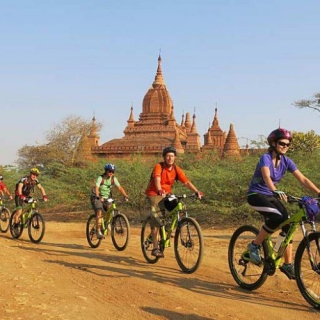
(263, 195)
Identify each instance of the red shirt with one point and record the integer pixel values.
(167, 178)
(2, 186)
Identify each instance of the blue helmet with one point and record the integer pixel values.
(110, 167)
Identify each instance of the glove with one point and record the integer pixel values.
(45, 198)
(161, 192)
(22, 197)
(126, 199)
(278, 193)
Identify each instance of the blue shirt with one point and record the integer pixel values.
(257, 184)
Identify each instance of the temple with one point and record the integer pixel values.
(157, 128)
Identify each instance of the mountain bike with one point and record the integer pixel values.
(251, 276)
(113, 221)
(4, 216)
(30, 219)
(188, 239)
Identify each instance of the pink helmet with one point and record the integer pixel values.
(279, 134)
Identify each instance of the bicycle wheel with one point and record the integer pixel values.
(36, 227)
(16, 229)
(4, 219)
(307, 269)
(188, 245)
(146, 242)
(120, 231)
(92, 239)
(247, 274)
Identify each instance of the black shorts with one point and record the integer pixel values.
(271, 208)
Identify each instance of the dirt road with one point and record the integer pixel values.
(63, 278)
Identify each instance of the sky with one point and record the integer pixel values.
(250, 59)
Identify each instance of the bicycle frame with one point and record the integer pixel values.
(108, 215)
(27, 212)
(294, 221)
(176, 216)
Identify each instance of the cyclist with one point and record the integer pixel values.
(163, 176)
(24, 188)
(3, 188)
(264, 197)
(102, 191)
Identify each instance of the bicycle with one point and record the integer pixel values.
(251, 276)
(112, 221)
(30, 219)
(4, 216)
(188, 239)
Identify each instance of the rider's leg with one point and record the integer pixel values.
(288, 254)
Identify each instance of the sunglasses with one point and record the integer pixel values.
(110, 171)
(283, 144)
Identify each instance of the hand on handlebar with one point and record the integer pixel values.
(199, 194)
(280, 194)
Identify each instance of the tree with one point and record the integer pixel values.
(66, 144)
(313, 104)
(307, 143)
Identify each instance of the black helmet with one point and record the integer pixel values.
(168, 150)
(279, 134)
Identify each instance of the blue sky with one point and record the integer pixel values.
(252, 59)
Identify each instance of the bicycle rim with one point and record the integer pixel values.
(247, 274)
(15, 229)
(188, 245)
(146, 242)
(307, 272)
(92, 239)
(120, 231)
(4, 219)
(36, 228)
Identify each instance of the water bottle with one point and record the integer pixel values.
(279, 241)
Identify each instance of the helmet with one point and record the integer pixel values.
(110, 167)
(34, 171)
(1, 177)
(278, 134)
(168, 150)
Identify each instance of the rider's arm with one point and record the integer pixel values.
(123, 192)
(40, 187)
(305, 181)
(265, 171)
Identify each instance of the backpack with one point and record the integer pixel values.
(28, 186)
(162, 167)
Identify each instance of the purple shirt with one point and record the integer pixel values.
(257, 184)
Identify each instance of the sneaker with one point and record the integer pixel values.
(99, 234)
(254, 253)
(288, 270)
(157, 253)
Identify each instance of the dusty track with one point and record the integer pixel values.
(63, 278)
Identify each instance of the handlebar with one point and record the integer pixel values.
(183, 196)
(294, 199)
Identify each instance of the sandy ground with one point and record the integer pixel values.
(63, 278)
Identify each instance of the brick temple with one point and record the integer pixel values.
(158, 128)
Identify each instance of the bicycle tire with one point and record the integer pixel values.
(36, 227)
(15, 229)
(188, 245)
(92, 239)
(247, 274)
(146, 242)
(4, 220)
(308, 279)
(120, 231)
